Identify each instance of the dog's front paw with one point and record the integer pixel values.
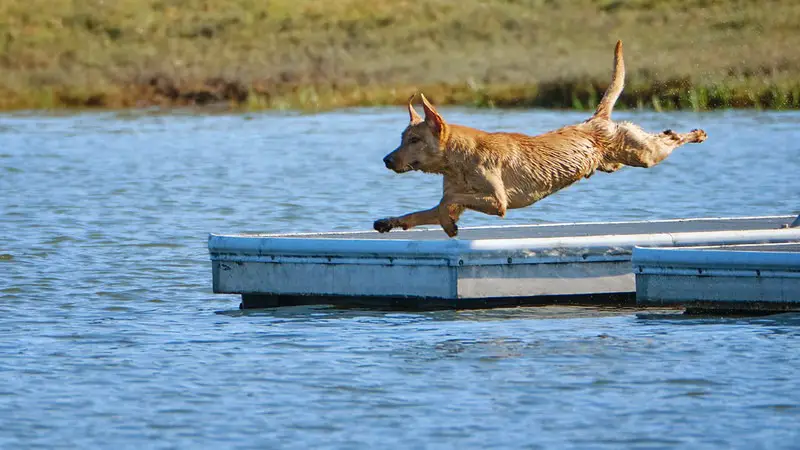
(383, 225)
(450, 228)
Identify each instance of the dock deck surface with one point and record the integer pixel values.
(558, 230)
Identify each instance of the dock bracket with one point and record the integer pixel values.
(796, 222)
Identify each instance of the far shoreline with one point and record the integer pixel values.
(669, 95)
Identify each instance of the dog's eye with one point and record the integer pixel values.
(413, 140)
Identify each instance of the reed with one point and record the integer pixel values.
(313, 55)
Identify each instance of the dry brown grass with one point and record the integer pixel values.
(319, 54)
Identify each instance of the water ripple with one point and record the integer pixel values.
(111, 336)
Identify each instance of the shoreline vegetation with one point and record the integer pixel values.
(315, 55)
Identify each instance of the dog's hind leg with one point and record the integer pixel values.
(692, 137)
(641, 149)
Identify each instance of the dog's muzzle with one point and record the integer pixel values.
(392, 164)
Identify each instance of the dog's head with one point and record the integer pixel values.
(421, 144)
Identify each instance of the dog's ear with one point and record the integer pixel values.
(432, 118)
(412, 113)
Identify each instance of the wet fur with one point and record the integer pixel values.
(494, 172)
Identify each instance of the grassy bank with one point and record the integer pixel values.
(311, 54)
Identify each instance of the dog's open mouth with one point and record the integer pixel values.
(413, 166)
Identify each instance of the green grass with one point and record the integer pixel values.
(311, 54)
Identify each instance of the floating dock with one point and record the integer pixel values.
(729, 279)
(573, 263)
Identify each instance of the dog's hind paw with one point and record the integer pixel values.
(699, 136)
(383, 225)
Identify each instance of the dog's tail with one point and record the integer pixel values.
(617, 83)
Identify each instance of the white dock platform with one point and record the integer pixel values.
(577, 263)
(731, 279)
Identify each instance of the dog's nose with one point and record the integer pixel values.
(389, 161)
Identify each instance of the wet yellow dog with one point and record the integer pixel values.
(494, 172)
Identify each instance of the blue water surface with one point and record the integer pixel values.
(111, 337)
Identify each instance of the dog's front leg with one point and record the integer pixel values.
(454, 204)
(487, 204)
(426, 217)
(448, 214)
(489, 199)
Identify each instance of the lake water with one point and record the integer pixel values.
(112, 338)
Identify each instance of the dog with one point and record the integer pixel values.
(494, 172)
